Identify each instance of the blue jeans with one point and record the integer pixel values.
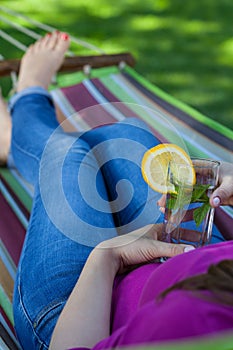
(87, 188)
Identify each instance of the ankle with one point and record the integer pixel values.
(29, 84)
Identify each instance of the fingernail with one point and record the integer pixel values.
(64, 36)
(216, 201)
(188, 248)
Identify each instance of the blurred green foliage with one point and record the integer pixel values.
(184, 47)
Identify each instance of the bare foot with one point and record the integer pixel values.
(42, 60)
(5, 132)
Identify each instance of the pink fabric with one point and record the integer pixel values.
(137, 317)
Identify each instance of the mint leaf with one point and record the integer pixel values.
(199, 193)
(200, 213)
(182, 196)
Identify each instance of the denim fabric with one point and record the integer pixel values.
(79, 181)
(88, 188)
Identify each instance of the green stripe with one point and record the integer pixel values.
(189, 110)
(117, 90)
(17, 188)
(65, 80)
(122, 95)
(6, 305)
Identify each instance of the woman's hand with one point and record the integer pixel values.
(85, 319)
(223, 195)
(140, 246)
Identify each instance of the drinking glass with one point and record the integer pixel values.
(188, 216)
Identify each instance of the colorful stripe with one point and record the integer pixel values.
(180, 105)
(199, 144)
(8, 339)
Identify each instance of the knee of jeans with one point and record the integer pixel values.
(26, 164)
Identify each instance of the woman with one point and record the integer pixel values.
(110, 295)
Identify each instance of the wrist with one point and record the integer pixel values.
(103, 256)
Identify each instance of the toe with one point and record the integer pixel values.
(47, 39)
(52, 39)
(63, 42)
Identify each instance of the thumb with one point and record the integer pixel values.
(221, 195)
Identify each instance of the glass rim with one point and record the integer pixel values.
(207, 160)
(214, 163)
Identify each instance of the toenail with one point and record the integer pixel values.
(64, 36)
(49, 34)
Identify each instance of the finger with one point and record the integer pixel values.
(170, 249)
(223, 195)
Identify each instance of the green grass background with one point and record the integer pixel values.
(184, 47)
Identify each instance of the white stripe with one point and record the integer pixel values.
(50, 29)
(21, 28)
(3, 346)
(13, 41)
(200, 144)
(108, 106)
(13, 205)
(5, 325)
(228, 210)
(24, 184)
(150, 109)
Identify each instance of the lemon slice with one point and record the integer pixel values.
(155, 164)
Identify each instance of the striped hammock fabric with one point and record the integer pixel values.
(114, 95)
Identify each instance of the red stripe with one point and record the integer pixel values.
(224, 223)
(12, 231)
(80, 98)
(105, 92)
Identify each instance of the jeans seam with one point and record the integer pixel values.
(53, 305)
(26, 314)
(34, 324)
(25, 152)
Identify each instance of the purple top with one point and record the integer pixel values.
(138, 318)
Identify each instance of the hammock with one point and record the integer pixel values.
(109, 82)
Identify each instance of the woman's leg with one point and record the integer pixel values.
(63, 228)
(32, 110)
(34, 120)
(57, 246)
